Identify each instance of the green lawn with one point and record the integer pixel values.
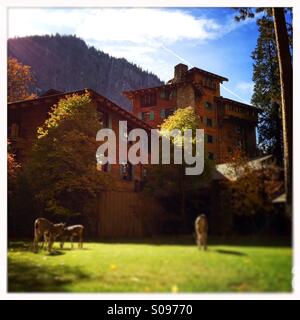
(160, 266)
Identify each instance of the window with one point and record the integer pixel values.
(209, 83)
(151, 116)
(209, 122)
(126, 171)
(167, 93)
(103, 119)
(162, 113)
(144, 173)
(102, 167)
(198, 94)
(211, 156)
(208, 105)
(14, 131)
(240, 130)
(168, 112)
(148, 100)
(240, 143)
(209, 138)
(144, 116)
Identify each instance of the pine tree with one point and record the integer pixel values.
(267, 89)
(283, 35)
(286, 85)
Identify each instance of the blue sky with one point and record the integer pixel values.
(156, 39)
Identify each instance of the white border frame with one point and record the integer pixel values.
(5, 4)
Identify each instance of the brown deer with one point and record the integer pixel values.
(71, 232)
(47, 230)
(201, 228)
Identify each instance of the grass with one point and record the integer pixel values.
(152, 266)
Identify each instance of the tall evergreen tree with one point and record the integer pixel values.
(283, 35)
(286, 85)
(267, 89)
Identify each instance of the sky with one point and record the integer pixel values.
(156, 39)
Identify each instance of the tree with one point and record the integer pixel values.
(19, 81)
(66, 63)
(250, 189)
(62, 168)
(283, 44)
(266, 93)
(286, 83)
(170, 181)
(12, 165)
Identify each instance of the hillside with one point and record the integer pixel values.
(66, 63)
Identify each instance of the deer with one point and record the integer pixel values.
(71, 232)
(48, 230)
(201, 228)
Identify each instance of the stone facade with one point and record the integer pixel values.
(227, 123)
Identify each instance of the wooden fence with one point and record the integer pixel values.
(129, 214)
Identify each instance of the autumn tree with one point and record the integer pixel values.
(167, 181)
(19, 81)
(62, 168)
(12, 165)
(250, 187)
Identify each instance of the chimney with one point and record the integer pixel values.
(179, 72)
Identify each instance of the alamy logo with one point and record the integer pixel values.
(161, 147)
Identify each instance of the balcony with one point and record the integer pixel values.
(237, 112)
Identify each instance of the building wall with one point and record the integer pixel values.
(114, 169)
(223, 131)
(206, 114)
(162, 104)
(185, 96)
(29, 117)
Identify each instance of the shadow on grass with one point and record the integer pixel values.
(230, 252)
(183, 240)
(188, 240)
(22, 246)
(75, 249)
(56, 253)
(27, 277)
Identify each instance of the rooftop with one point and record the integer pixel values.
(53, 98)
(207, 73)
(229, 101)
(129, 94)
(226, 170)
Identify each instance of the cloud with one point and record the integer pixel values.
(136, 25)
(146, 26)
(147, 37)
(245, 86)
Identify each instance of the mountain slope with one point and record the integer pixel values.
(66, 63)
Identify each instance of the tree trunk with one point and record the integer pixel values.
(278, 150)
(286, 82)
